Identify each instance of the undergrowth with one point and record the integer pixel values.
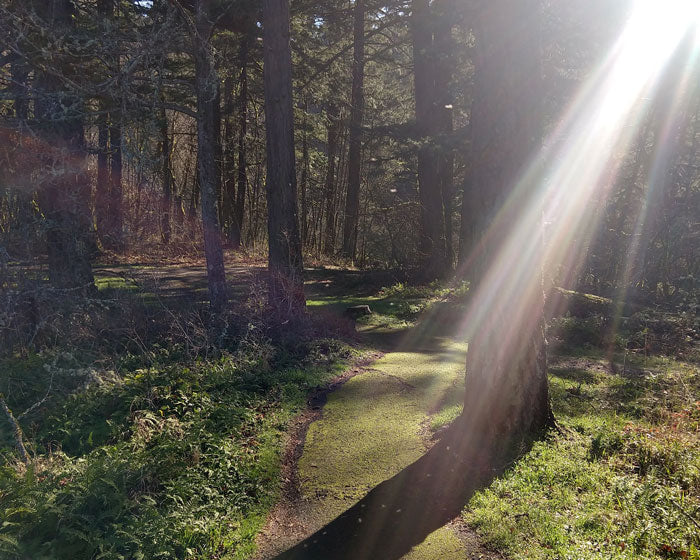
(153, 436)
(622, 481)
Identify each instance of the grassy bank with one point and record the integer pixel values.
(623, 479)
(151, 435)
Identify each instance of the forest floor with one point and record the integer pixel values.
(371, 427)
(151, 439)
(371, 421)
(621, 479)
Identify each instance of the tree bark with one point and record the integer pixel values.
(286, 286)
(506, 389)
(102, 186)
(207, 81)
(432, 230)
(443, 47)
(305, 165)
(167, 178)
(333, 129)
(352, 200)
(115, 211)
(64, 189)
(242, 172)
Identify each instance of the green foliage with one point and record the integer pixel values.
(173, 461)
(623, 479)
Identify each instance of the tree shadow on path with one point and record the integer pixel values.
(402, 511)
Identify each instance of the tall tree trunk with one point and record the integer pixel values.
(286, 285)
(506, 398)
(167, 178)
(305, 165)
(432, 231)
(228, 181)
(207, 83)
(116, 193)
(352, 199)
(242, 176)
(64, 189)
(443, 48)
(102, 187)
(333, 129)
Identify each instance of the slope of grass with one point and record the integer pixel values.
(623, 479)
(174, 460)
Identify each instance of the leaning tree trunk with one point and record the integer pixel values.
(207, 81)
(432, 230)
(352, 200)
(64, 189)
(286, 286)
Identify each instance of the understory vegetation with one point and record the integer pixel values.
(622, 478)
(146, 449)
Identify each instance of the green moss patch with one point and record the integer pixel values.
(371, 429)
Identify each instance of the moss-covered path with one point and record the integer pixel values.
(373, 426)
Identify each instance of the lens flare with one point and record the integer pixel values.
(572, 177)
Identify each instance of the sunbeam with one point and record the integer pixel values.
(580, 159)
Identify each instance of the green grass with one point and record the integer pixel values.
(115, 284)
(170, 461)
(623, 479)
(393, 307)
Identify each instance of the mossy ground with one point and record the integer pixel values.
(374, 425)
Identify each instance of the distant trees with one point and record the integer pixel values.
(381, 97)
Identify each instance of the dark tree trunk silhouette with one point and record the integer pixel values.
(207, 81)
(115, 233)
(432, 230)
(286, 286)
(64, 190)
(305, 165)
(333, 130)
(443, 46)
(242, 173)
(506, 363)
(352, 200)
(167, 178)
(102, 186)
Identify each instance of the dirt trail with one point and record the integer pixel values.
(371, 427)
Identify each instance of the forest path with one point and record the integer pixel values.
(375, 421)
(371, 427)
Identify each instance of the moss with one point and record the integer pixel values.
(443, 544)
(371, 429)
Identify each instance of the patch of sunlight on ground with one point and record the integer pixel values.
(371, 429)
